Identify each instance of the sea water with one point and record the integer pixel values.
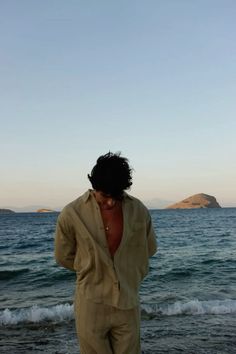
(188, 300)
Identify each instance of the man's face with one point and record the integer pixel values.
(105, 201)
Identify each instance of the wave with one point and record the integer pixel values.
(36, 314)
(39, 275)
(9, 274)
(193, 307)
(175, 274)
(227, 262)
(65, 312)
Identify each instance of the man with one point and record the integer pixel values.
(106, 236)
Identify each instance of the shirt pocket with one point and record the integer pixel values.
(138, 234)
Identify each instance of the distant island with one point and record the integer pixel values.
(6, 211)
(44, 210)
(196, 201)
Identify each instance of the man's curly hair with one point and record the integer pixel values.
(111, 175)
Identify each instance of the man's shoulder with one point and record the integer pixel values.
(75, 204)
(136, 202)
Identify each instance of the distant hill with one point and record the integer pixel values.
(6, 211)
(200, 200)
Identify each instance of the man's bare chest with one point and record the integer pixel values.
(113, 226)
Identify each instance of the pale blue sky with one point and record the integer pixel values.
(153, 79)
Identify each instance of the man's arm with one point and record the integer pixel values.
(65, 243)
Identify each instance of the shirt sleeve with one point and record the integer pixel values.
(65, 243)
(151, 237)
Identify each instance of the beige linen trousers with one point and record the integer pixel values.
(104, 329)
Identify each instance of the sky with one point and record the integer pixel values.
(154, 79)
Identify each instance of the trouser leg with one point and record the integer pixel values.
(103, 329)
(125, 331)
(92, 325)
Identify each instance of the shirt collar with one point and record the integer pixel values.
(128, 196)
(87, 195)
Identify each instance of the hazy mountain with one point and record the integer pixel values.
(31, 208)
(157, 203)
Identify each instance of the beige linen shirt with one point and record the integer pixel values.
(81, 245)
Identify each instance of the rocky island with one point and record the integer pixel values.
(44, 210)
(200, 200)
(6, 211)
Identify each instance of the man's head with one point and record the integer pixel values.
(111, 175)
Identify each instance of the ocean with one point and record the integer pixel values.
(188, 300)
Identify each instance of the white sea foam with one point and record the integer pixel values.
(36, 314)
(194, 307)
(65, 312)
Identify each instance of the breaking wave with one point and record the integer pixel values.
(65, 312)
(193, 307)
(36, 314)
